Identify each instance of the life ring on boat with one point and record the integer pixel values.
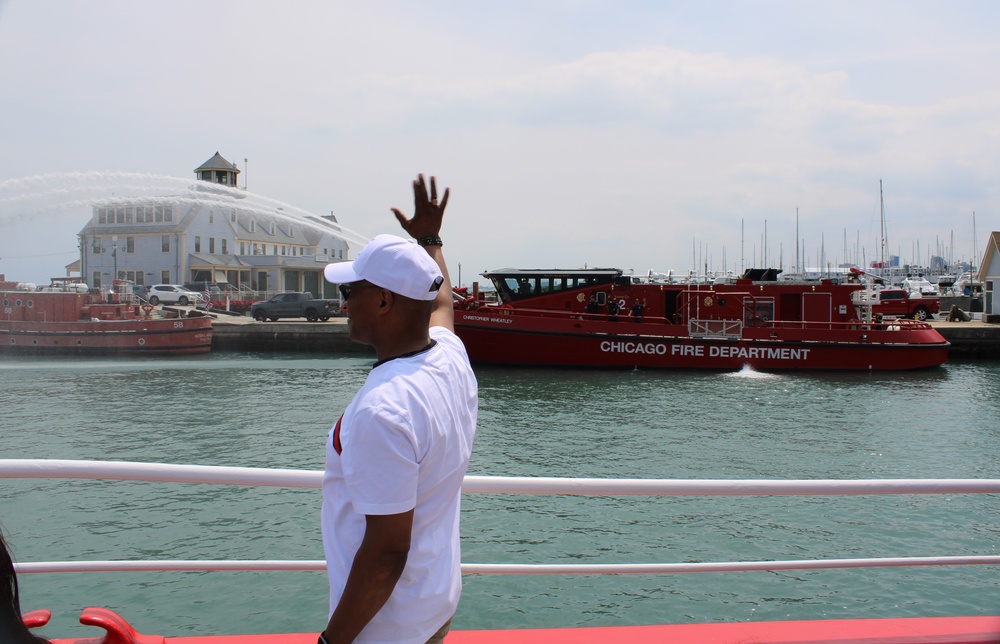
(147, 309)
(709, 301)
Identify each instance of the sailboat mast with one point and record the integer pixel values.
(881, 203)
(797, 269)
(975, 248)
(765, 245)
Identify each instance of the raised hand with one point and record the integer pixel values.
(427, 212)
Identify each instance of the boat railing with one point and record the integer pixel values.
(247, 476)
(893, 324)
(724, 329)
(550, 314)
(712, 328)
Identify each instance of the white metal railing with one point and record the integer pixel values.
(728, 329)
(208, 565)
(162, 472)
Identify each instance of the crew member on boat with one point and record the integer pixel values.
(397, 456)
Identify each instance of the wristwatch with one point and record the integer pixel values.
(430, 240)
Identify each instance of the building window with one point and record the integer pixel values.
(97, 279)
(254, 250)
(164, 277)
(206, 175)
(158, 210)
(130, 214)
(211, 245)
(211, 216)
(120, 215)
(98, 249)
(253, 225)
(165, 243)
(340, 254)
(168, 213)
(197, 244)
(275, 249)
(130, 246)
(224, 246)
(243, 248)
(232, 217)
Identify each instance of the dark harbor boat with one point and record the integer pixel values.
(603, 318)
(67, 318)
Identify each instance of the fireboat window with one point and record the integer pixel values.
(515, 287)
(520, 287)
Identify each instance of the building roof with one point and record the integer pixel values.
(228, 261)
(217, 163)
(986, 269)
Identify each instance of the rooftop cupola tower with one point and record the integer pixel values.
(218, 170)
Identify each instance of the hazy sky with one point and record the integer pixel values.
(640, 135)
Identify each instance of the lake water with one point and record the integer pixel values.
(275, 410)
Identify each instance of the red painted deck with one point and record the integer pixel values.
(919, 630)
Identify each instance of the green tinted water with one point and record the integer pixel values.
(275, 411)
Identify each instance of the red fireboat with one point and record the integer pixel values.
(67, 318)
(603, 318)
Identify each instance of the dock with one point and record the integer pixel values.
(295, 335)
(972, 340)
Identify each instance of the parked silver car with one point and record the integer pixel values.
(173, 294)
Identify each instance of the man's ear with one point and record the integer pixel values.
(386, 299)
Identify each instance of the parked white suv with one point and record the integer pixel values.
(172, 294)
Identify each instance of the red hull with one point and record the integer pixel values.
(66, 323)
(551, 342)
(154, 336)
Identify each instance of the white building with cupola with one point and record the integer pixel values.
(208, 234)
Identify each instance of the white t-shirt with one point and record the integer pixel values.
(404, 443)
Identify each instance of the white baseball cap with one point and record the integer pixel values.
(393, 263)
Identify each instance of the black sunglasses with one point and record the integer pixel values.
(345, 289)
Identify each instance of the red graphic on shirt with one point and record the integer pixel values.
(336, 435)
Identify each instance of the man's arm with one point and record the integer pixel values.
(424, 225)
(377, 567)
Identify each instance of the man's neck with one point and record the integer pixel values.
(401, 347)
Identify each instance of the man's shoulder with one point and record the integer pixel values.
(446, 337)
